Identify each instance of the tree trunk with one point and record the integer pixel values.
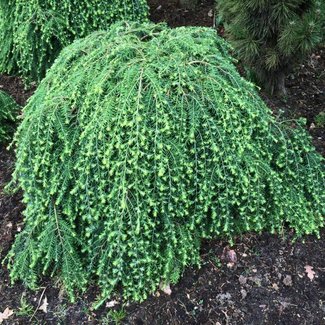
(190, 4)
(274, 83)
(279, 85)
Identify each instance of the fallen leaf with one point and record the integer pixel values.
(61, 294)
(111, 304)
(210, 13)
(44, 305)
(19, 227)
(275, 286)
(243, 293)
(6, 314)
(255, 279)
(166, 288)
(229, 256)
(310, 272)
(285, 304)
(224, 296)
(242, 280)
(287, 281)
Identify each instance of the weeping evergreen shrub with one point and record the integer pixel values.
(8, 113)
(141, 141)
(271, 36)
(32, 33)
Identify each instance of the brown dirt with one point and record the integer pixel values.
(175, 16)
(15, 87)
(267, 285)
(306, 96)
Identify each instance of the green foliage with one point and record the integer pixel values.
(114, 317)
(323, 21)
(271, 35)
(8, 112)
(60, 312)
(25, 309)
(320, 119)
(32, 33)
(141, 141)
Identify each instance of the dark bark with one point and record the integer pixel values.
(279, 85)
(274, 83)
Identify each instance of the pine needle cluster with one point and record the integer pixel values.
(270, 36)
(33, 32)
(141, 141)
(8, 113)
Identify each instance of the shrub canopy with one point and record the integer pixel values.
(141, 141)
(8, 112)
(33, 32)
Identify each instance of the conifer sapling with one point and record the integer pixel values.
(271, 36)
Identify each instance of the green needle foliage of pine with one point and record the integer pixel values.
(8, 113)
(322, 17)
(270, 36)
(141, 141)
(32, 33)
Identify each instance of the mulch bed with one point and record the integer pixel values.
(169, 11)
(267, 285)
